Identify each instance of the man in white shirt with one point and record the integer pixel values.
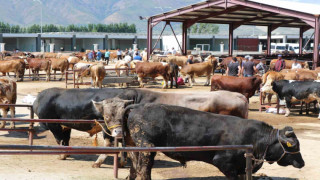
(295, 64)
(174, 52)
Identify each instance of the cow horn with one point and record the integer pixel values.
(288, 133)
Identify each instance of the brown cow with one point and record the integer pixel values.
(154, 69)
(50, 55)
(59, 65)
(8, 95)
(200, 69)
(36, 65)
(97, 73)
(244, 85)
(17, 66)
(289, 63)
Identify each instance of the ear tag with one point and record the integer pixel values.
(289, 144)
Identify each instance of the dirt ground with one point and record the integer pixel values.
(46, 167)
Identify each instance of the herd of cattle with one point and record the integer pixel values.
(156, 119)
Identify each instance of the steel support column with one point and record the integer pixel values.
(300, 40)
(105, 42)
(316, 43)
(230, 39)
(269, 41)
(38, 43)
(73, 43)
(149, 38)
(184, 38)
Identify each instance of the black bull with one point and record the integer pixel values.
(158, 125)
(56, 103)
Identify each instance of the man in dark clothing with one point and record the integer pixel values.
(189, 61)
(233, 69)
(280, 64)
(248, 68)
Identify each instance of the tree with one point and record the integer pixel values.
(204, 28)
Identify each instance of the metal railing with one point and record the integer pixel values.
(73, 72)
(30, 130)
(50, 150)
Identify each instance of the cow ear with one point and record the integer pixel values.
(98, 106)
(288, 133)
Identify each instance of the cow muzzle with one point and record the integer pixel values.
(116, 132)
(267, 89)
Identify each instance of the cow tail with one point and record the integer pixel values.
(264, 77)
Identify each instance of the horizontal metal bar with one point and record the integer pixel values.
(17, 105)
(125, 149)
(48, 152)
(16, 129)
(52, 120)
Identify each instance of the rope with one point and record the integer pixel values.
(102, 127)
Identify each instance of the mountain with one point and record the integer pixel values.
(64, 12)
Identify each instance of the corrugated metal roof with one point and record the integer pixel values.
(244, 12)
(292, 5)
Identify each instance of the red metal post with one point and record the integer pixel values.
(269, 41)
(184, 38)
(115, 160)
(316, 43)
(149, 39)
(230, 39)
(300, 40)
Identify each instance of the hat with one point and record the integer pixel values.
(247, 57)
(279, 55)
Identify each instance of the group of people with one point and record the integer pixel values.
(248, 67)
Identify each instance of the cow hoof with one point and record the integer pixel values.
(63, 157)
(96, 165)
(286, 115)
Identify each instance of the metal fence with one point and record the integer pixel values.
(50, 150)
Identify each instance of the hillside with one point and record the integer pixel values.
(27, 12)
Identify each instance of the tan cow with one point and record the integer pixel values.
(97, 73)
(17, 66)
(59, 65)
(72, 60)
(199, 69)
(289, 63)
(50, 55)
(8, 95)
(36, 65)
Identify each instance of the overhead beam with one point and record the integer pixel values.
(308, 18)
(214, 14)
(275, 26)
(238, 24)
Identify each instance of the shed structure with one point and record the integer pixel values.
(236, 13)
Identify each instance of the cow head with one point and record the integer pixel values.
(268, 79)
(112, 110)
(286, 149)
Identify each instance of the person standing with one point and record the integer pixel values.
(173, 52)
(248, 68)
(137, 57)
(261, 68)
(119, 54)
(295, 64)
(280, 64)
(189, 61)
(99, 54)
(233, 68)
(90, 56)
(107, 56)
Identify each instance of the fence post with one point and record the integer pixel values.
(31, 127)
(248, 156)
(115, 160)
(66, 79)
